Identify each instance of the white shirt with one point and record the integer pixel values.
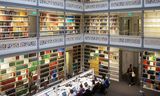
(73, 94)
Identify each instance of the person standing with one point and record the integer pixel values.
(129, 72)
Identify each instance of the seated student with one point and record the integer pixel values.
(104, 86)
(93, 84)
(72, 93)
(87, 90)
(95, 88)
(81, 90)
(106, 83)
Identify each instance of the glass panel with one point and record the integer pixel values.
(125, 23)
(152, 23)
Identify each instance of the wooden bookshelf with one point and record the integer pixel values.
(151, 70)
(73, 24)
(96, 57)
(18, 73)
(13, 24)
(51, 66)
(114, 63)
(76, 59)
(96, 24)
(114, 24)
(51, 23)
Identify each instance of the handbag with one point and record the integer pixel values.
(133, 74)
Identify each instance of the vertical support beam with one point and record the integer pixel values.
(65, 66)
(109, 23)
(142, 24)
(141, 53)
(83, 45)
(141, 72)
(38, 40)
(38, 43)
(108, 49)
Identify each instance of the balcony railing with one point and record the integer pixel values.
(75, 6)
(51, 41)
(153, 43)
(124, 4)
(131, 41)
(27, 2)
(96, 6)
(59, 4)
(28, 44)
(95, 38)
(73, 39)
(151, 3)
(17, 45)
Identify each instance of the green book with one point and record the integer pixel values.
(32, 69)
(42, 62)
(19, 62)
(35, 63)
(3, 71)
(12, 64)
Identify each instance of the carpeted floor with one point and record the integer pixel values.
(122, 89)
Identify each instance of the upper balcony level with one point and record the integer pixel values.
(85, 5)
(27, 29)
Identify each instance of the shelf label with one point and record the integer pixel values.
(52, 41)
(126, 41)
(28, 2)
(75, 6)
(59, 4)
(153, 43)
(151, 3)
(17, 45)
(74, 39)
(94, 38)
(96, 6)
(124, 4)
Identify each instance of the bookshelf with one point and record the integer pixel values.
(76, 59)
(96, 57)
(73, 23)
(114, 24)
(152, 24)
(51, 66)
(13, 24)
(151, 70)
(51, 23)
(114, 63)
(18, 73)
(96, 24)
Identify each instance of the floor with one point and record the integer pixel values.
(122, 89)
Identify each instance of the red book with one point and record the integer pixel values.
(158, 69)
(47, 51)
(145, 62)
(19, 78)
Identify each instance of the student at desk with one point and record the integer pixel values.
(87, 90)
(72, 93)
(81, 91)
